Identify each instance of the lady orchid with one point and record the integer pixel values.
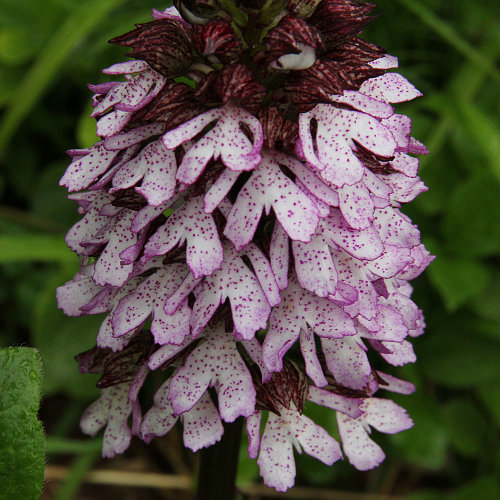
(241, 226)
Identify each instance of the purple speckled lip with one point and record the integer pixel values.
(241, 225)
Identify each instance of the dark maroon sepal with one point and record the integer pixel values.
(314, 85)
(289, 385)
(175, 104)
(279, 133)
(236, 83)
(116, 367)
(339, 19)
(165, 44)
(288, 36)
(217, 38)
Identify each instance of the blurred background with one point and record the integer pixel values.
(50, 49)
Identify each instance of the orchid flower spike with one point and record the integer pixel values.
(241, 225)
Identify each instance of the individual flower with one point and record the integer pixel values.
(242, 232)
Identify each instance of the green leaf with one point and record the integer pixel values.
(466, 426)
(15, 46)
(34, 247)
(72, 31)
(463, 359)
(427, 495)
(487, 304)
(483, 488)
(452, 37)
(483, 131)
(425, 444)
(471, 219)
(50, 201)
(458, 279)
(490, 396)
(22, 457)
(239, 16)
(86, 135)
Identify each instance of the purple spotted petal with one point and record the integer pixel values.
(160, 419)
(253, 431)
(133, 137)
(215, 362)
(189, 223)
(126, 67)
(406, 164)
(133, 94)
(314, 266)
(202, 425)
(337, 402)
(360, 450)
(280, 255)
(385, 415)
(395, 228)
(311, 360)
(393, 384)
(77, 293)
(148, 300)
(166, 353)
(364, 103)
(86, 169)
(310, 180)
(112, 123)
(112, 410)
(354, 273)
(298, 309)
(276, 461)
(347, 361)
(87, 230)
(390, 87)
(404, 189)
(109, 269)
(269, 188)
(264, 273)
(219, 189)
(226, 140)
(398, 353)
(331, 152)
(234, 280)
(254, 350)
(356, 205)
(364, 244)
(105, 336)
(156, 166)
(385, 62)
(388, 325)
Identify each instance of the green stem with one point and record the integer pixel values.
(219, 464)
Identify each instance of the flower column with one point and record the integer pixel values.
(241, 226)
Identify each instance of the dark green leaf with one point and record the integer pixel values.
(484, 488)
(490, 396)
(426, 442)
(466, 426)
(427, 495)
(21, 434)
(471, 220)
(34, 247)
(458, 279)
(459, 358)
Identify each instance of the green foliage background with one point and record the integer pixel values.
(451, 51)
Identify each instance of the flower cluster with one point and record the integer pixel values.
(241, 231)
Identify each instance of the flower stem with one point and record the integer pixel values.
(219, 464)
